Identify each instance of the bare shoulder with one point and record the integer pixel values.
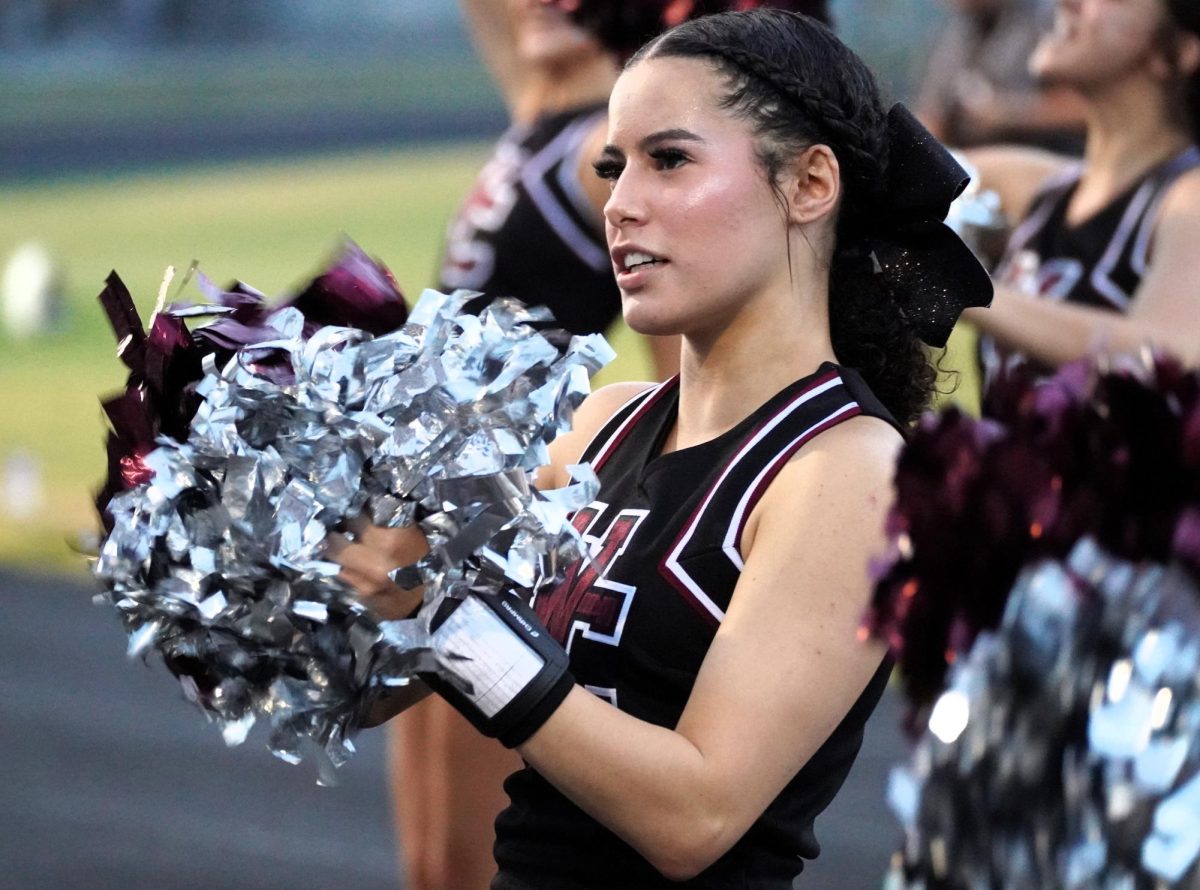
(1176, 229)
(839, 484)
(856, 457)
(605, 402)
(861, 442)
(1183, 197)
(589, 418)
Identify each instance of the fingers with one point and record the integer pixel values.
(366, 570)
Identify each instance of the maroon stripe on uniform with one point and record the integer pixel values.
(627, 426)
(780, 460)
(664, 570)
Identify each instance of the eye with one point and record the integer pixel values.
(607, 168)
(668, 158)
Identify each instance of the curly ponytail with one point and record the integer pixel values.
(798, 85)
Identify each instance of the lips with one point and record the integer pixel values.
(634, 265)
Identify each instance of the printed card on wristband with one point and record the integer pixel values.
(487, 654)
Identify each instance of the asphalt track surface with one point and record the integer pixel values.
(109, 779)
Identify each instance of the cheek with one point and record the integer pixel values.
(729, 210)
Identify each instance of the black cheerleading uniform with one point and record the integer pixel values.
(1099, 262)
(664, 537)
(527, 230)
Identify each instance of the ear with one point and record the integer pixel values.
(814, 186)
(1180, 60)
(1188, 59)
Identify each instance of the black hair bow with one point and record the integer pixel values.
(926, 268)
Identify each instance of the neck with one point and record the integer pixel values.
(548, 89)
(1126, 137)
(724, 377)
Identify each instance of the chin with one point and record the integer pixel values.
(649, 323)
(555, 47)
(1047, 70)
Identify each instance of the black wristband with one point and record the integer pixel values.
(530, 658)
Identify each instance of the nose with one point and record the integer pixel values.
(623, 207)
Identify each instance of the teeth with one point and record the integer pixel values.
(636, 259)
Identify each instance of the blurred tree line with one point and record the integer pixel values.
(891, 34)
(26, 25)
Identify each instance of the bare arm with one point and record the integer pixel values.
(492, 34)
(997, 111)
(1162, 314)
(1015, 174)
(786, 661)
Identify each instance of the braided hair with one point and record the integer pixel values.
(798, 85)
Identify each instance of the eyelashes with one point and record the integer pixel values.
(668, 158)
(664, 159)
(608, 169)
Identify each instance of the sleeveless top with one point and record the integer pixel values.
(1099, 262)
(664, 538)
(527, 230)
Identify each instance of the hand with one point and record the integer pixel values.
(368, 554)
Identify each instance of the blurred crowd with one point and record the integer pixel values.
(977, 86)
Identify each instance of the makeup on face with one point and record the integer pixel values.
(692, 224)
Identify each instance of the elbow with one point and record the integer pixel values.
(684, 851)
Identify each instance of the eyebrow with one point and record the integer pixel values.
(675, 134)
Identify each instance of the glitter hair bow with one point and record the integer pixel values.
(924, 265)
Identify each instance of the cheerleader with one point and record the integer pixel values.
(692, 695)
(1104, 256)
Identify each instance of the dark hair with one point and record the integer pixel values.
(798, 85)
(1184, 17)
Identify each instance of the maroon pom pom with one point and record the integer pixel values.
(166, 364)
(1114, 455)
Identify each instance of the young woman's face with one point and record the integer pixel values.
(547, 36)
(1095, 43)
(694, 228)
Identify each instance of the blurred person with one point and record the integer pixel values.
(698, 692)
(977, 87)
(531, 228)
(1105, 254)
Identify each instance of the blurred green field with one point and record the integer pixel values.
(269, 224)
(224, 88)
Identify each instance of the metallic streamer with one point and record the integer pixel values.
(216, 559)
